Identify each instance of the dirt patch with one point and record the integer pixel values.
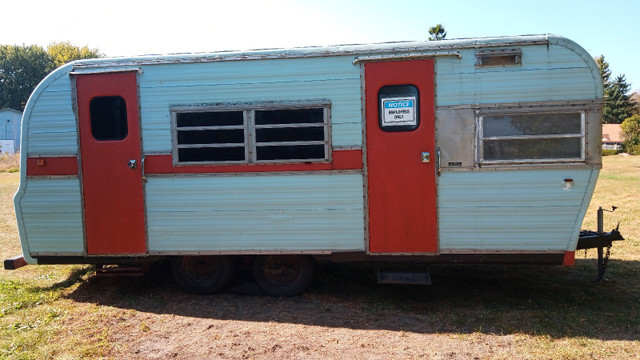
(478, 314)
(232, 326)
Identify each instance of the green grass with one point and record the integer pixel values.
(32, 299)
(31, 311)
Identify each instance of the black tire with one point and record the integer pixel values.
(203, 274)
(283, 275)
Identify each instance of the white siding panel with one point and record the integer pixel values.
(51, 125)
(546, 73)
(332, 78)
(52, 215)
(255, 213)
(511, 210)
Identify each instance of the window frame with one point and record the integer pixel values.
(481, 138)
(250, 144)
(482, 58)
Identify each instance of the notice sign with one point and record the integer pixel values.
(399, 111)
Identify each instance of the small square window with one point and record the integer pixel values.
(108, 118)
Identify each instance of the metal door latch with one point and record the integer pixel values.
(132, 164)
(426, 157)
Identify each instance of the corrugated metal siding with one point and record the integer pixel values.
(332, 78)
(546, 73)
(511, 210)
(52, 215)
(260, 213)
(52, 123)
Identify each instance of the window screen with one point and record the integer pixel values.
(108, 118)
(297, 134)
(210, 136)
(251, 135)
(537, 137)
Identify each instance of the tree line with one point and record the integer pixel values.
(619, 107)
(23, 67)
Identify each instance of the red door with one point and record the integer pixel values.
(401, 161)
(111, 163)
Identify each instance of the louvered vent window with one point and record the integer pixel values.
(276, 133)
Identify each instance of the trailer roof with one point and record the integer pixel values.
(444, 46)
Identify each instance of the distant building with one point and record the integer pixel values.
(10, 121)
(611, 137)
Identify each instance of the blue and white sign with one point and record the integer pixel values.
(399, 111)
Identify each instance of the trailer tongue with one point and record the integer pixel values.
(600, 240)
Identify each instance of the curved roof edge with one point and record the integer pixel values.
(588, 59)
(333, 50)
(26, 116)
(40, 88)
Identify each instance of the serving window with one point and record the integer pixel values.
(521, 138)
(251, 134)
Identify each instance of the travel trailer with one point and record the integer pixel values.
(468, 150)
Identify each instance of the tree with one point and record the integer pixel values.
(605, 73)
(437, 32)
(635, 99)
(617, 104)
(63, 52)
(21, 69)
(631, 132)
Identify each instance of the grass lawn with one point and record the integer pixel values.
(498, 312)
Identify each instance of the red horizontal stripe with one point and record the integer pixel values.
(43, 166)
(342, 160)
(162, 164)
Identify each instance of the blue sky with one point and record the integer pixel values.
(130, 27)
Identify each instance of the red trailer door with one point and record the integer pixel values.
(401, 161)
(111, 163)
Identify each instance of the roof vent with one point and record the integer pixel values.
(507, 57)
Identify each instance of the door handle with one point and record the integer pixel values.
(144, 177)
(132, 164)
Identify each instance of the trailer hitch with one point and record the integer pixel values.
(600, 240)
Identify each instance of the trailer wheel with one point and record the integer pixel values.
(283, 275)
(203, 274)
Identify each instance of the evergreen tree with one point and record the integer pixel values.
(617, 104)
(437, 32)
(603, 66)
